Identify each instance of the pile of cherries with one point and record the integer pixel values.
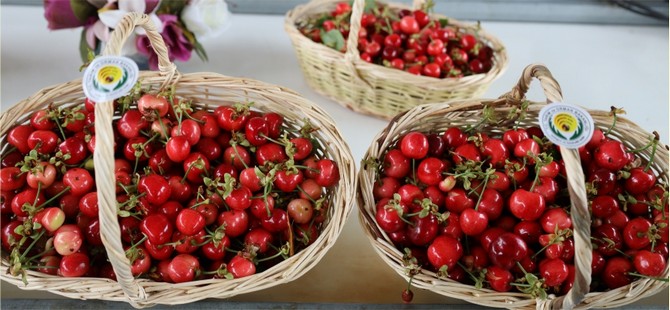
(406, 40)
(493, 210)
(199, 193)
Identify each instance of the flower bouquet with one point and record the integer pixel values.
(181, 23)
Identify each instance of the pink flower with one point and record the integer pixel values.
(59, 15)
(179, 47)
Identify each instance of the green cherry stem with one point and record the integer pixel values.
(32, 244)
(653, 151)
(635, 274)
(67, 188)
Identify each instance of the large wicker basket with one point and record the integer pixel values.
(207, 90)
(373, 89)
(437, 118)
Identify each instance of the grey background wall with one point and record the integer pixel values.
(631, 12)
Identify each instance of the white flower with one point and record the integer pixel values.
(110, 19)
(206, 18)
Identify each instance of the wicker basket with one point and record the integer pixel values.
(373, 89)
(437, 118)
(208, 90)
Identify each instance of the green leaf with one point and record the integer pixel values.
(443, 22)
(428, 6)
(84, 49)
(333, 38)
(369, 5)
(82, 9)
(200, 50)
(171, 7)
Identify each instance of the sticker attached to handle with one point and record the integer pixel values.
(566, 125)
(109, 77)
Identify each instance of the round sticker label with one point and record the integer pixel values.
(566, 125)
(109, 77)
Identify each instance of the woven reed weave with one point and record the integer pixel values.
(207, 90)
(374, 89)
(437, 118)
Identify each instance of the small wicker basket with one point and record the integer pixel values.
(437, 118)
(208, 90)
(373, 89)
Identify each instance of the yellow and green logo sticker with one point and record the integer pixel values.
(109, 77)
(566, 125)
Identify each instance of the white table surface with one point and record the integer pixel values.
(597, 66)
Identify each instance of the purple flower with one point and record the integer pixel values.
(60, 15)
(151, 5)
(179, 47)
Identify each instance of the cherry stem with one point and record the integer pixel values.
(183, 179)
(128, 188)
(205, 241)
(32, 244)
(412, 214)
(305, 239)
(280, 252)
(541, 250)
(409, 283)
(135, 244)
(239, 157)
(272, 140)
(67, 188)
(635, 274)
(486, 181)
(137, 160)
(485, 117)
(306, 195)
(654, 140)
(472, 275)
(538, 165)
(653, 151)
(408, 215)
(193, 119)
(266, 191)
(414, 170)
(37, 196)
(231, 250)
(203, 202)
(39, 267)
(160, 121)
(61, 129)
(613, 111)
(307, 168)
(39, 254)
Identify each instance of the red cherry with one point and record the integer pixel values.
(444, 251)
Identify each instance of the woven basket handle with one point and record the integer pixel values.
(126, 27)
(579, 211)
(552, 90)
(103, 156)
